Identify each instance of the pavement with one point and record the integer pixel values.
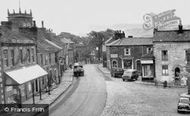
(66, 82)
(106, 73)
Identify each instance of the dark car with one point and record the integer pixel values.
(130, 74)
(184, 103)
(78, 70)
(117, 72)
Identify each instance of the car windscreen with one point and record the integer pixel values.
(184, 100)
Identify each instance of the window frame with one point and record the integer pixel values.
(165, 71)
(5, 58)
(164, 57)
(127, 50)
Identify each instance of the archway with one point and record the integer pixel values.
(177, 71)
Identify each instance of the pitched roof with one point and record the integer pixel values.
(65, 40)
(171, 36)
(132, 41)
(43, 45)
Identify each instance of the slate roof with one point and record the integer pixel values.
(65, 40)
(147, 56)
(132, 41)
(9, 36)
(43, 44)
(171, 36)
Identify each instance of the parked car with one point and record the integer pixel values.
(130, 74)
(78, 70)
(184, 103)
(117, 72)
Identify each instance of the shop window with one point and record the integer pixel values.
(147, 71)
(46, 60)
(5, 54)
(165, 70)
(114, 64)
(127, 51)
(164, 55)
(127, 63)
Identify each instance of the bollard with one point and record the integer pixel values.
(165, 84)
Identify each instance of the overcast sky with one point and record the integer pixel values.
(81, 16)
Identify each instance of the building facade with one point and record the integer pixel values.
(170, 54)
(126, 53)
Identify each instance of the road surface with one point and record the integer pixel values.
(88, 99)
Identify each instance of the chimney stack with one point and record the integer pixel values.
(180, 26)
(34, 23)
(42, 24)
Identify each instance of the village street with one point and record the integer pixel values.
(123, 98)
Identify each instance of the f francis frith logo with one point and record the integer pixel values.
(160, 21)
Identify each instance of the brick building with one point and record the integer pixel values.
(169, 51)
(126, 53)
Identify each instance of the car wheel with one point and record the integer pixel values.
(123, 79)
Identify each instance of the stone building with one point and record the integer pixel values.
(169, 51)
(20, 74)
(127, 52)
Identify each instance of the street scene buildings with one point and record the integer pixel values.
(111, 72)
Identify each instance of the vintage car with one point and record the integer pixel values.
(78, 70)
(130, 74)
(184, 103)
(117, 72)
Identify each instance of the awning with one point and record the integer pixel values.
(146, 61)
(26, 74)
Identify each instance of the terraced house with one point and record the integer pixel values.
(20, 75)
(132, 53)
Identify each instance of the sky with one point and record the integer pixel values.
(82, 16)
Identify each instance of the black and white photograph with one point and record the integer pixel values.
(94, 58)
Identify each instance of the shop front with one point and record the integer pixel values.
(24, 83)
(148, 70)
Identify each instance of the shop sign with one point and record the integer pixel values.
(114, 55)
(146, 61)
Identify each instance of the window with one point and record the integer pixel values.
(149, 50)
(164, 55)
(49, 58)
(127, 51)
(147, 71)
(5, 53)
(127, 63)
(21, 56)
(41, 58)
(165, 70)
(46, 60)
(28, 55)
(12, 57)
(33, 53)
(114, 64)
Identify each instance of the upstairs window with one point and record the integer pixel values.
(28, 55)
(127, 51)
(33, 53)
(12, 57)
(149, 50)
(49, 58)
(5, 54)
(21, 56)
(164, 55)
(41, 58)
